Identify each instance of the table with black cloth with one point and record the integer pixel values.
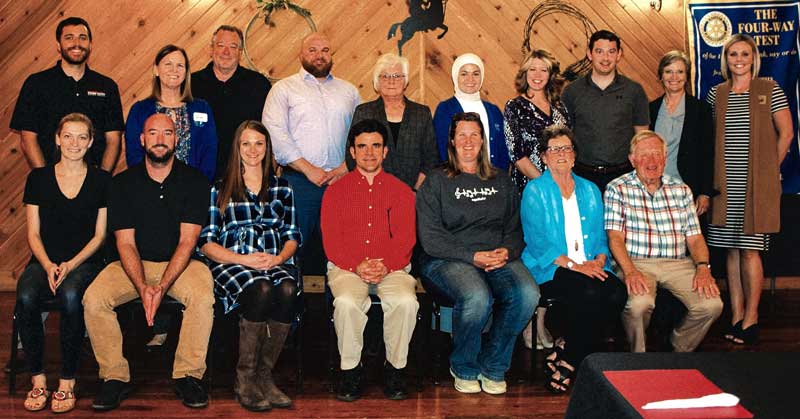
(766, 383)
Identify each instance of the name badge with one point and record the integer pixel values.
(95, 93)
(200, 118)
(762, 99)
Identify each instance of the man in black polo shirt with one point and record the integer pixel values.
(607, 109)
(156, 210)
(235, 93)
(69, 86)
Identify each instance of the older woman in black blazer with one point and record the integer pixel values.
(412, 141)
(687, 125)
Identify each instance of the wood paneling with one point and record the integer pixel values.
(128, 33)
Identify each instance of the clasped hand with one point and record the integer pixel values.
(372, 271)
(260, 260)
(491, 259)
(56, 275)
(151, 299)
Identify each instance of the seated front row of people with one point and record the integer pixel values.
(468, 225)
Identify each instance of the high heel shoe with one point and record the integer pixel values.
(748, 336)
(734, 331)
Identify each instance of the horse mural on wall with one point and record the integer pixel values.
(424, 15)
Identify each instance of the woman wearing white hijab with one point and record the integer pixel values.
(467, 75)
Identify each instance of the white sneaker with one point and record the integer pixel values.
(465, 386)
(491, 386)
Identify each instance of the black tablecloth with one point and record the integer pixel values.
(767, 384)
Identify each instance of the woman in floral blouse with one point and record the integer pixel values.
(250, 240)
(537, 107)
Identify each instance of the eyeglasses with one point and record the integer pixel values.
(558, 149)
(395, 76)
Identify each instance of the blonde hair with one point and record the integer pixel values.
(554, 80)
(643, 135)
(385, 61)
(747, 39)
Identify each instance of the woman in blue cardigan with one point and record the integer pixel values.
(467, 73)
(567, 253)
(172, 95)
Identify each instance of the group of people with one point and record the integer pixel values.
(229, 178)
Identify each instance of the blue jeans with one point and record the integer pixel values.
(32, 289)
(307, 203)
(509, 294)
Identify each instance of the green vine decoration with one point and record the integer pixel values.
(267, 7)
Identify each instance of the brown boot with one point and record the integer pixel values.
(246, 386)
(276, 336)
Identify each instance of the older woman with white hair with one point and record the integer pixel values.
(411, 142)
(468, 74)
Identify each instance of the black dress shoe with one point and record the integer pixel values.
(350, 385)
(394, 383)
(111, 394)
(191, 392)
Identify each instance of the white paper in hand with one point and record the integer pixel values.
(712, 400)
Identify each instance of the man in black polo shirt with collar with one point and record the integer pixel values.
(156, 210)
(70, 86)
(235, 93)
(607, 109)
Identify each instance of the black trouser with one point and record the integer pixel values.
(32, 289)
(601, 178)
(591, 305)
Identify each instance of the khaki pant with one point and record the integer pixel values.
(676, 276)
(397, 292)
(112, 288)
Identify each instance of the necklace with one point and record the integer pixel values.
(576, 245)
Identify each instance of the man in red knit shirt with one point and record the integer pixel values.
(368, 231)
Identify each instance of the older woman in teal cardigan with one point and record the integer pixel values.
(567, 253)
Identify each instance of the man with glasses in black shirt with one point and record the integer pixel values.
(235, 93)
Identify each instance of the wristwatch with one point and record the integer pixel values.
(702, 263)
(570, 265)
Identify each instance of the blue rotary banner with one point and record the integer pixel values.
(773, 25)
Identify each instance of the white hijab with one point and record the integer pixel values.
(461, 61)
(471, 102)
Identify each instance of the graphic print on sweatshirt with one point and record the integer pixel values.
(475, 194)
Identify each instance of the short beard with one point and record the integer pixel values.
(67, 58)
(152, 157)
(318, 72)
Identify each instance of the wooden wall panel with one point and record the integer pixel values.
(128, 33)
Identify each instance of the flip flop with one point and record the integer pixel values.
(37, 399)
(65, 399)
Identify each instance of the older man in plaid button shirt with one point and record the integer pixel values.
(651, 220)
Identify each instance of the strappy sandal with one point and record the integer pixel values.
(65, 399)
(550, 363)
(560, 384)
(733, 333)
(748, 336)
(37, 399)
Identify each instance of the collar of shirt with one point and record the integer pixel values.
(60, 71)
(666, 180)
(614, 85)
(377, 180)
(305, 75)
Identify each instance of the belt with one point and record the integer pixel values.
(604, 170)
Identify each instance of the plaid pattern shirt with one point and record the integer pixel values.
(251, 226)
(655, 226)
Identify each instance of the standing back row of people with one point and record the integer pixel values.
(157, 236)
